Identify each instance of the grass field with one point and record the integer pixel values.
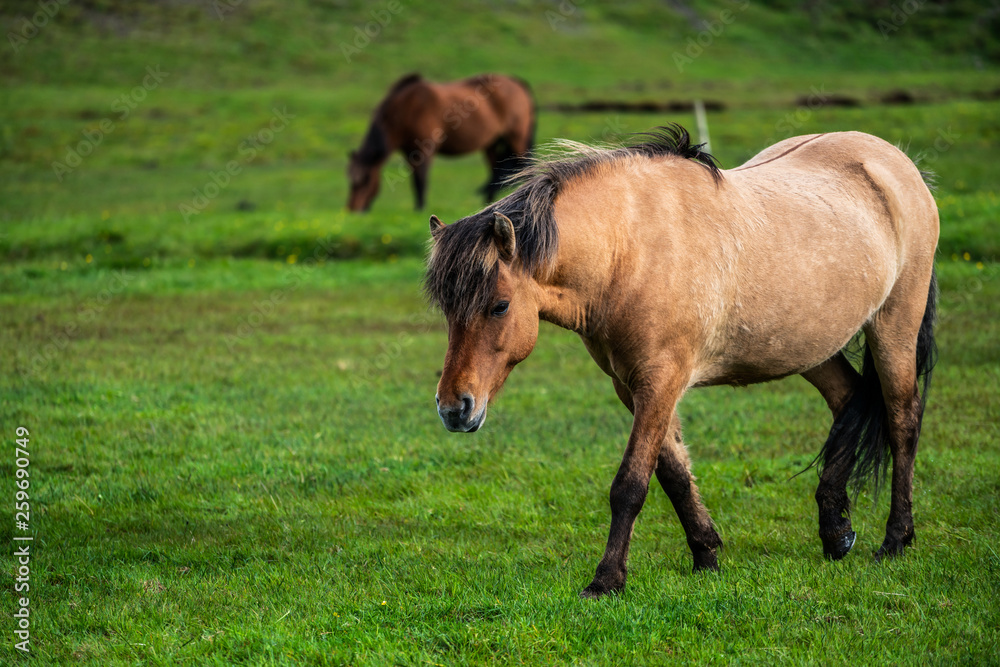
(235, 456)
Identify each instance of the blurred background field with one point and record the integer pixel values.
(227, 65)
(237, 453)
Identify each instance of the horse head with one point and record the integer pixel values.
(364, 180)
(492, 310)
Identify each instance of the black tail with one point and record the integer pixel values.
(861, 431)
(509, 164)
(534, 116)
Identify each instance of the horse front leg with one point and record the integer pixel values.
(673, 470)
(653, 413)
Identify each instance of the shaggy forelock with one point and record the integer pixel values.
(462, 269)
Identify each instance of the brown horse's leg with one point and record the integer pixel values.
(673, 470)
(836, 380)
(420, 168)
(492, 186)
(653, 412)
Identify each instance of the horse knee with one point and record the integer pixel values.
(628, 492)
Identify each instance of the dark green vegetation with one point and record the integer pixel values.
(235, 451)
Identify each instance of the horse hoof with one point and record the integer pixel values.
(837, 548)
(598, 590)
(706, 561)
(595, 592)
(888, 551)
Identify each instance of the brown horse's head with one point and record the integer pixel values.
(492, 308)
(364, 180)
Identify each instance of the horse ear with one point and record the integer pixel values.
(436, 224)
(503, 232)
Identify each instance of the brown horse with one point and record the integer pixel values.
(490, 113)
(676, 275)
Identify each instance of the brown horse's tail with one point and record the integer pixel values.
(534, 116)
(509, 164)
(860, 432)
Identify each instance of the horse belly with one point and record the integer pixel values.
(470, 132)
(799, 313)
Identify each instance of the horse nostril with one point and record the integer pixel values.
(468, 403)
(437, 400)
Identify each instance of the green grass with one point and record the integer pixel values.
(199, 495)
(236, 456)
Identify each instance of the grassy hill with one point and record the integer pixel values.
(570, 46)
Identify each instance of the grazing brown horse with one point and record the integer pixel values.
(676, 275)
(490, 113)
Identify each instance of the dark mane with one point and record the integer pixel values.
(375, 146)
(674, 140)
(403, 82)
(462, 267)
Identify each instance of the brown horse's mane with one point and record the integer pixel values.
(462, 268)
(403, 82)
(375, 146)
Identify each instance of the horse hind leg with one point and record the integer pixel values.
(673, 470)
(837, 381)
(901, 366)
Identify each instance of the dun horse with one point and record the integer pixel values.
(490, 113)
(676, 275)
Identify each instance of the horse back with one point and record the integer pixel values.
(480, 110)
(866, 182)
(764, 274)
(458, 117)
(823, 228)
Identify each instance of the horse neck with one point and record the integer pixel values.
(377, 145)
(574, 294)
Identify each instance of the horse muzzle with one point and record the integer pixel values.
(464, 416)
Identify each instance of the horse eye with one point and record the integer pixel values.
(500, 309)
